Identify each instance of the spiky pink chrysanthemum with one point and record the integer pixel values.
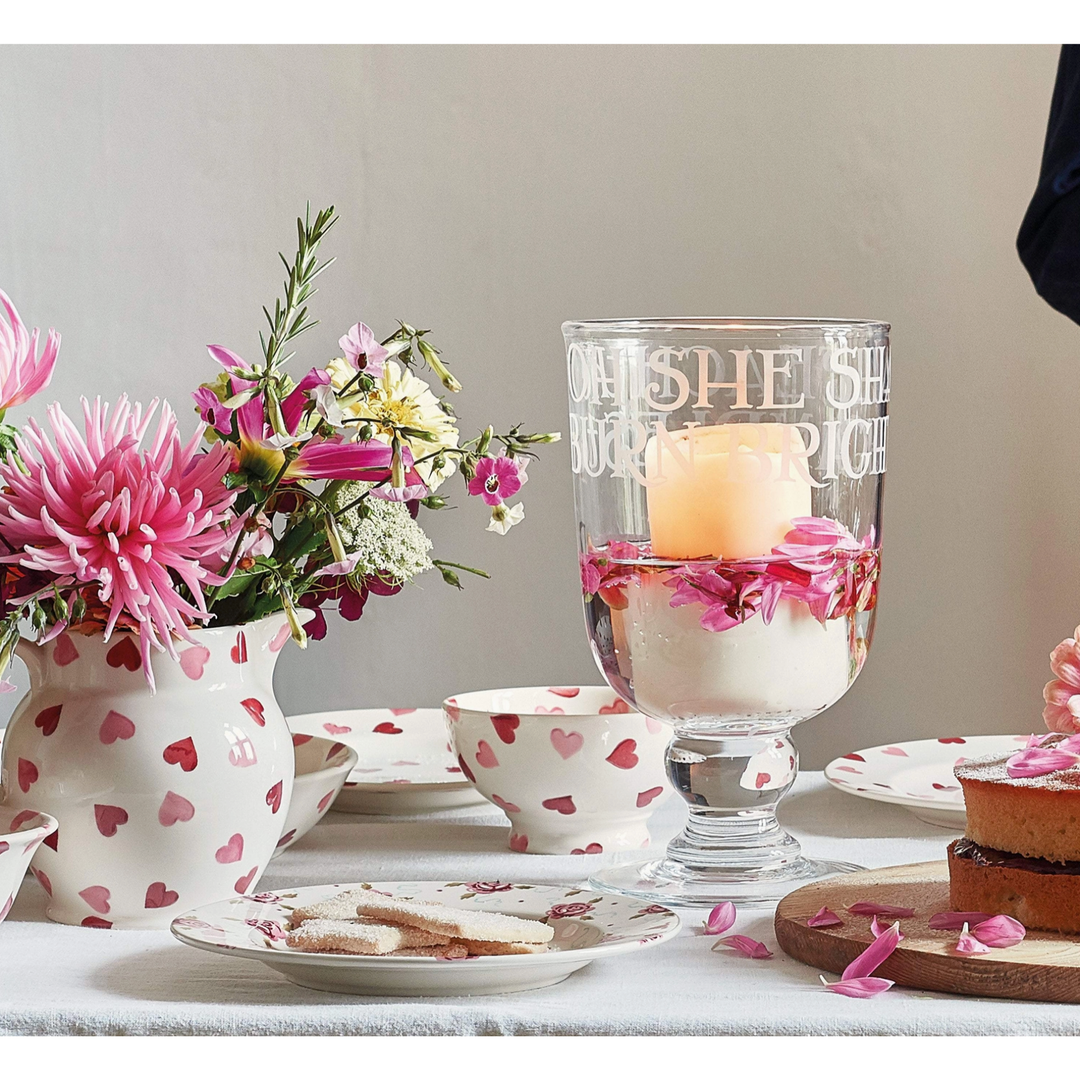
(22, 372)
(135, 521)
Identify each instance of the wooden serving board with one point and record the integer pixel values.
(1043, 967)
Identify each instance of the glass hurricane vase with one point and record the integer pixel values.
(728, 481)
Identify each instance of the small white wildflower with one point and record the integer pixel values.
(387, 542)
(504, 518)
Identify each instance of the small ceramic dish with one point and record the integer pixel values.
(322, 767)
(577, 771)
(21, 831)
(918, 775)
(588, 926)
(405, 765)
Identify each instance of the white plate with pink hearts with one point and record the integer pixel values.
(588, 926)
(405, 765)
(917, 775)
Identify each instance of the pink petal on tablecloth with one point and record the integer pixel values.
(756, 950)
(858, 988)
(721, 918)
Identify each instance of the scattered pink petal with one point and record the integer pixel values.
(1035, 741)
(756, 950)
(969, 945)
(721, 918)
(867, 907)
(1038, 762)
(954, 920)
(999, 932)
(877, 929)
(858, 988)
(825, 917)
(874, 955)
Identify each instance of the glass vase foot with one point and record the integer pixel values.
(672, 883)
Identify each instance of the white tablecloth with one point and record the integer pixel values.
(61, 979)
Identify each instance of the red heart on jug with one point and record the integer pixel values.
(95, 922)
(589, 849)
(174, 808)
(124, 653)
(466, 770)
(47, 719)
(385, 728)
(273, 798)
(519, 842)
(28, 774)
(646, 797)
(52, 840)
(324, 802)
(243, 884)
(109, 819)
(623, 756)
(505, 724)
(181, 753)
(97, 896)
(233, 851)
(562, 805)
(115, 726)
(157, 896)
(238, 653)
(64, 651)
(255, 710)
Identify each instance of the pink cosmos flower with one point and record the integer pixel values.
(497, 479)
(22, 372)
(1062, 695)
(133, 521)
(363, 351)
(211, 411)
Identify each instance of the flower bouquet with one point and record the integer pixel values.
(125, 540)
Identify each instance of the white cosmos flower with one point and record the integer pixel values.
(399, 397)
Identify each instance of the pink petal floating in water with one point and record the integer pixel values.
(825, 917)
(877, 929)
(969, 945)
(756, 950)
(858, 988)
(721, 918)
(874, 955)
(953, 920)
(999, 932)
(1037, 762)
(867, 907)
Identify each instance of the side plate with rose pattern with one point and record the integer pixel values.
(588, 926)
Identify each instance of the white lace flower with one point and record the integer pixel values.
(400, 398)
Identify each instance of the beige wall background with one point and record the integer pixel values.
(493, 192)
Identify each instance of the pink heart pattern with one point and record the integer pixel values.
(64, 651)
(334, 729)
(509, 807)
(193, 661)
(158, 896)
(623, 756)
(894, 751)
(243, 884)
(565, 691)
(564, 804)
(324, 802)
(519, 842)
(231, 852)
(618, 707)
(109, 818)
(273, 797)
(589, 849)
(47, 719)
(174, 808)
(278, 642)
(506, 725)
(567, 743)
(97, 897)
(646, 797)
(653, 727)
(42, 879)
(115, 726)
(28, 774)
(254, 709)
(485, 756)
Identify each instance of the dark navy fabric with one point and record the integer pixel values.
(1049, 239)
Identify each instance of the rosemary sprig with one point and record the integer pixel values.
(290, 320)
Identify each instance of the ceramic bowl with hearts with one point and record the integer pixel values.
(21, 831)
(577, 771)
(322, 767)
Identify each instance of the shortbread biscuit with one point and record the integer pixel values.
(342, 906)
(442, 952)
(470, 924)
(361, 936)
(501, 948)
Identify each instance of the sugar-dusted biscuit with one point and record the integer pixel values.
(361, 936)
(342, 906)
(501, 948)
(443, 952)
(467, 923)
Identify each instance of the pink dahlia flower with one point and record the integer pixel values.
(1062, 694)
(497, 479)
(134, 521)
(22, 372)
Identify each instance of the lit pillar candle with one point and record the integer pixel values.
(725, 491)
